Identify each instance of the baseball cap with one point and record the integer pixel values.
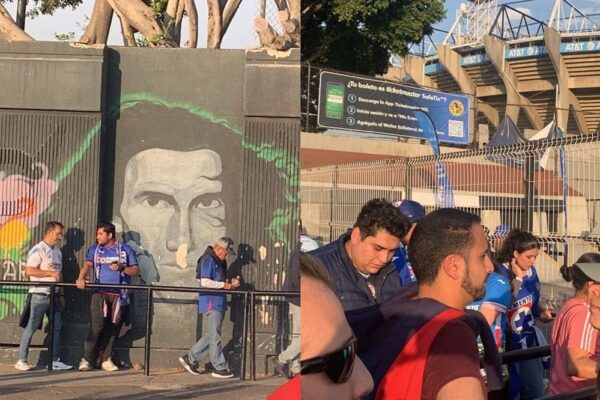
(412, 210)
(501, 231)
(226, 243)
(592, 270)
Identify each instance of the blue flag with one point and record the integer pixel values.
(443, 194)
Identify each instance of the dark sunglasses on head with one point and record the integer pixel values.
(337, 365)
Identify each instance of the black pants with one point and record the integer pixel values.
(100, 325)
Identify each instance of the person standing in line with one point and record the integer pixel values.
(211, 272)
(359, 262)
(575, 353)
(44, 264)
(516, 258)
(414, 212)
(113, 262)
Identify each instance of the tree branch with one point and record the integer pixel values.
(214, 25)
(127, 31)
(141, 17)
(192, 13)
(96, 31)
(9, 30)
(228, 13)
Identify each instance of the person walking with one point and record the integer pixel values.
(211, 272)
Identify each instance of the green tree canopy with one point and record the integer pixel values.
(359, 35)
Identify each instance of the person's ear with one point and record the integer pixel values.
(452, 266)
(594, 289)
(355, 235)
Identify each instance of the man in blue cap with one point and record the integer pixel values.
(414, 212)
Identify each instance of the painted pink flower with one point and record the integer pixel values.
(25, 199)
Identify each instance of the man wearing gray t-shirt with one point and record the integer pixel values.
(44, 264)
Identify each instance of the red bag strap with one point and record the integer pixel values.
(404, 379)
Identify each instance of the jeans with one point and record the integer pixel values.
(292, 352)
(39, 305)
(210, 342)
(529, 377)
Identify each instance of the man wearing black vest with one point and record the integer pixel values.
(420, 344)
(359, 262)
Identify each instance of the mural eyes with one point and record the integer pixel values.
(157, 200)
(208, 203)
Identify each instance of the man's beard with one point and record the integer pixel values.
(467, 285)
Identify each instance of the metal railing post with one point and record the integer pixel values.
(245, 336)
(148, 332)
(252, 339)
(51, 328)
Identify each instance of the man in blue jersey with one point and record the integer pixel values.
(112, 262)
(414, 212)
(211, 272)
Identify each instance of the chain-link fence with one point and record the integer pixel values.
(550, 187)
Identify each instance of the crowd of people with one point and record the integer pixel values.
(431, 304)
(112, 262)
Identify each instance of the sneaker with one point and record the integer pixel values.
(222, 373)
(190, 367)
(22, 365)
(60, 366)
(84, 365)
(282, 369)
(109, 366)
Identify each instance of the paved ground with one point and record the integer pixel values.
(128, 384)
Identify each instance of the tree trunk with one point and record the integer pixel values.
(96, 31)
(228, 13)
(192, 13)
(171, 22)
(294, 9)
(291, 28)
(128, 34)
(265, 32)
(9, 31)
(141, 17)
(214, 25)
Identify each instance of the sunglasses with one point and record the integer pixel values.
(337, 365)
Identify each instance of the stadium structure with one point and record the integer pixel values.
(514, 64)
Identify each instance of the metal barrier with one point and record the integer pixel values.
(249, 314)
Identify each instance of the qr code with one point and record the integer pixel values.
(455, 128)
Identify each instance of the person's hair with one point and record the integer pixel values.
(51, 225)
(107, 227)
(574, 274)
(311, 267)
(380, 214)
(517, 240)
(440, 233)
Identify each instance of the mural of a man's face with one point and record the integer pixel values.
(173, 200)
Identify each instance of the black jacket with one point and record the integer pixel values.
(349, 285)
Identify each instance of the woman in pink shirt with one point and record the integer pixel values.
(575, 333)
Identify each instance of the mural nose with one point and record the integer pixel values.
(180, 234)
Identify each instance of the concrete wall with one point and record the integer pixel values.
(189, 145)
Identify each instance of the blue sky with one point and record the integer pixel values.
(540, 9)
(240, 34)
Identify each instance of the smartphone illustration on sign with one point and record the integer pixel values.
(335, 100)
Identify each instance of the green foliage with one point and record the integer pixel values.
(64, 36)
(48, 7)
(359, 35)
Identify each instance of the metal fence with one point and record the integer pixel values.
(549, 187)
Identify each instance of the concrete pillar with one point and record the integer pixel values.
(415, 67)
(566, 98)
(494, 48)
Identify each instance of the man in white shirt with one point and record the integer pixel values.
(44, 264)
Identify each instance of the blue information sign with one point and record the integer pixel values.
(374, 105)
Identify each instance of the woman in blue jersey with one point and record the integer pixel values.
(516, 258)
